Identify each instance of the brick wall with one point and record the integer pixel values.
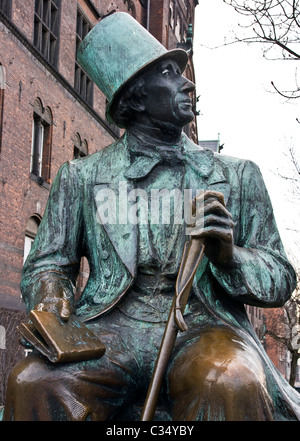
(21, 197)
(28, 78)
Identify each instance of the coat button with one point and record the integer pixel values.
(107, 273)
(104, 255)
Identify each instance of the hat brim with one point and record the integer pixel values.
(178, 55)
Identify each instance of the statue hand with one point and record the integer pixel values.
(54, 299)
(216, 228)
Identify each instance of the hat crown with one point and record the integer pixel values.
(116, 49)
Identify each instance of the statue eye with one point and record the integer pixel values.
(165, 72)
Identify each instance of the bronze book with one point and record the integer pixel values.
(61, 341)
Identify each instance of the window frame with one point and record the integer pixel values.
(30, 234)
(46, 34)
(80, 147)
(82, 82)
(6, 7)
(41, 144)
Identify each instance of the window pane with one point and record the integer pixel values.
(37, 147)
(54, 20)
(5, 7)
(39, 7)
(82, 83)
(77, 78)
(46, 157)
(79, 25)
(46, 43)
(53, 51)
(86, 29)
(46, 29)
(27, 247)
(30, 233)
(37, 34)
(89, 91)
(46, 12)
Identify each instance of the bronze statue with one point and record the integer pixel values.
(215, 368)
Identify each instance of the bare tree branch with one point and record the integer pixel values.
(286, 330)
(292, 94)
(274, 24)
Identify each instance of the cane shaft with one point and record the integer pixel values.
(162, 360)
(190, 261)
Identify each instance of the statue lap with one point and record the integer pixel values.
(212, 377)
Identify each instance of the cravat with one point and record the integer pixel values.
(146, 158)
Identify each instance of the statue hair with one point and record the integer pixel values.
(124, 108)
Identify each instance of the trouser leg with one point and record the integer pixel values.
(37, 391)
(95, 389)
(219, 377)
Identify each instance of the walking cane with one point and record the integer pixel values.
(192, 255)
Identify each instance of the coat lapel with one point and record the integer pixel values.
(110, 195)
(218, 182)
(208, 172)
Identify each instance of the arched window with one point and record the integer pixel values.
(30, 233)
(131, 7)
(80, 147)
(41, 143)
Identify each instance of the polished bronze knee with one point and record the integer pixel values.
(219, 377)
(40, 391)
(24, 397)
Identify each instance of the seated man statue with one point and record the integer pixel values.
(97, 208)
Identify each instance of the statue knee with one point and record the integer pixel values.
(217, 375)
(234, 379)
(203, 374)
(28, 373)
(26, 399)
(217, 356)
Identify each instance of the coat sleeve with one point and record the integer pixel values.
(53, 262)
(261, 274)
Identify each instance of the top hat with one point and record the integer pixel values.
(117, 49)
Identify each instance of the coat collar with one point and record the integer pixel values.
(144, 158)
(117, 161)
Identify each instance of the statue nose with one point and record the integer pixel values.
(187, 86)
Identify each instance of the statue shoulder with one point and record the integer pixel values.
(241, 166)
(90, 164)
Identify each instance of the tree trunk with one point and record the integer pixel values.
(293, 369)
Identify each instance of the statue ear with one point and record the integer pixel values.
(137, 104)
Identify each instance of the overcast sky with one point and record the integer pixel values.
(237, 102)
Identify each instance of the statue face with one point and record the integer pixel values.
(168, 94)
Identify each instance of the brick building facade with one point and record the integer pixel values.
(51, 112)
